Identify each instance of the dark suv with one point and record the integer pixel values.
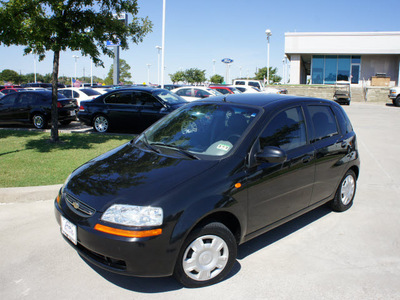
(35, 107)
(208, 177)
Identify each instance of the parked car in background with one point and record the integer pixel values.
(80, 94)
(34, 107)
(223, 89)
(342, 92)
(170, 87)
(130, 109)
(247, 89)
(208, 177)
(394, 95)
(102, 90)
(191, 93)
(7, 91)
(258, 84)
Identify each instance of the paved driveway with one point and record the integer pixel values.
(321, 255)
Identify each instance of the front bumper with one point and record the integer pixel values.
(143, 257)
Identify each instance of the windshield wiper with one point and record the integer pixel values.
(146, 142)
(178, 149)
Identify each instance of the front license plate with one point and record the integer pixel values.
(69, 230)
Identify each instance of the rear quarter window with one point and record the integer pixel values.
(323, 120)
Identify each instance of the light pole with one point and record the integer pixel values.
(268, 33)
(76, 59)
(283, 65)
(34, 65)
(148, 74)
(213, 66)
(159, 48)
(163, 45)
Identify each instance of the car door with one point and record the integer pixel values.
(278, 190)
(151, 109)
(7, 108)
(331, 150)
(23, 106)
(123, 109)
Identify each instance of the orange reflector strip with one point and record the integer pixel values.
(238, 185)
(128, 233)
(58, 199)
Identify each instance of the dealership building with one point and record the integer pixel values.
(363, 58)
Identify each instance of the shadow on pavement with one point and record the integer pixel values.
(165, 284)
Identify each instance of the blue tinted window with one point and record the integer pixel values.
(343, 68)
(356, 59)
(330, 69)
(317, 69)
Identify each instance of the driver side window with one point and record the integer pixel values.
(286, 130)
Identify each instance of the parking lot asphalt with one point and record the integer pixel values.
(321, 255)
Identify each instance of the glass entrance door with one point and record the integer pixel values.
(355, 73)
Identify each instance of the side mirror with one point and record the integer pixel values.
(271, 154)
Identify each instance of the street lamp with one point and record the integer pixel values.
(148, 74)
(283, 65)
(268, 33)
(158, 64)
(76, 59)
(163, 44)
(213, 66)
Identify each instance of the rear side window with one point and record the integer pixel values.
(344, 122)
(323, 120)
(240, 83)
(255, 84)
(184, 92)
(119, 98)
(286, 130)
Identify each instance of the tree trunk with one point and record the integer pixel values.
(54, 98)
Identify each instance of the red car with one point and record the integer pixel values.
(7, 91)
(225, 89)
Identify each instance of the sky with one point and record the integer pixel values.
(199, 32)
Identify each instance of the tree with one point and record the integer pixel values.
(195, 75)
(78, 25)
(217, 79)
(178, 76)
(10, 76)
(124, 74)
(262, 73)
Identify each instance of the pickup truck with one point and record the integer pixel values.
(394, 94)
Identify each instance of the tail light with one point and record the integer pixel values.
(59, 105)
(81, 108)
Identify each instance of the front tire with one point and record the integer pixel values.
(207, 256)
(101, 123)
(39, 121)
(345, 193)
(396, 101)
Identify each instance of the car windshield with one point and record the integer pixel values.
(168, 97)
(201, 129)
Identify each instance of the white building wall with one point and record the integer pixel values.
(343, 43)
(295, 69)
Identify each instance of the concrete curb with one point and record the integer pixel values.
(29, 194)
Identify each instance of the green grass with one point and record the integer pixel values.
(28, 158)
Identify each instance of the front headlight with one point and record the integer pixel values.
(130, 215)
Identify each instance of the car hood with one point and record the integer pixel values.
(129, 174)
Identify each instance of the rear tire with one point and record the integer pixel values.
(39, 121)
(207, 256)
(101, 123)
(345, 193)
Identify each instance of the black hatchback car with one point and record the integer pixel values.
(208, 177)
(34, 107)
(133, 108)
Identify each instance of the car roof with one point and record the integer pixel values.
(136, 88)
(264, 100)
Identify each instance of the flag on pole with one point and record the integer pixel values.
(76, 83)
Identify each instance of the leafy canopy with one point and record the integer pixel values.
(78, 25)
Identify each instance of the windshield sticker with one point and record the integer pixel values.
(223, 147)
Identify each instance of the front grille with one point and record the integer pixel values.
(78, 207)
